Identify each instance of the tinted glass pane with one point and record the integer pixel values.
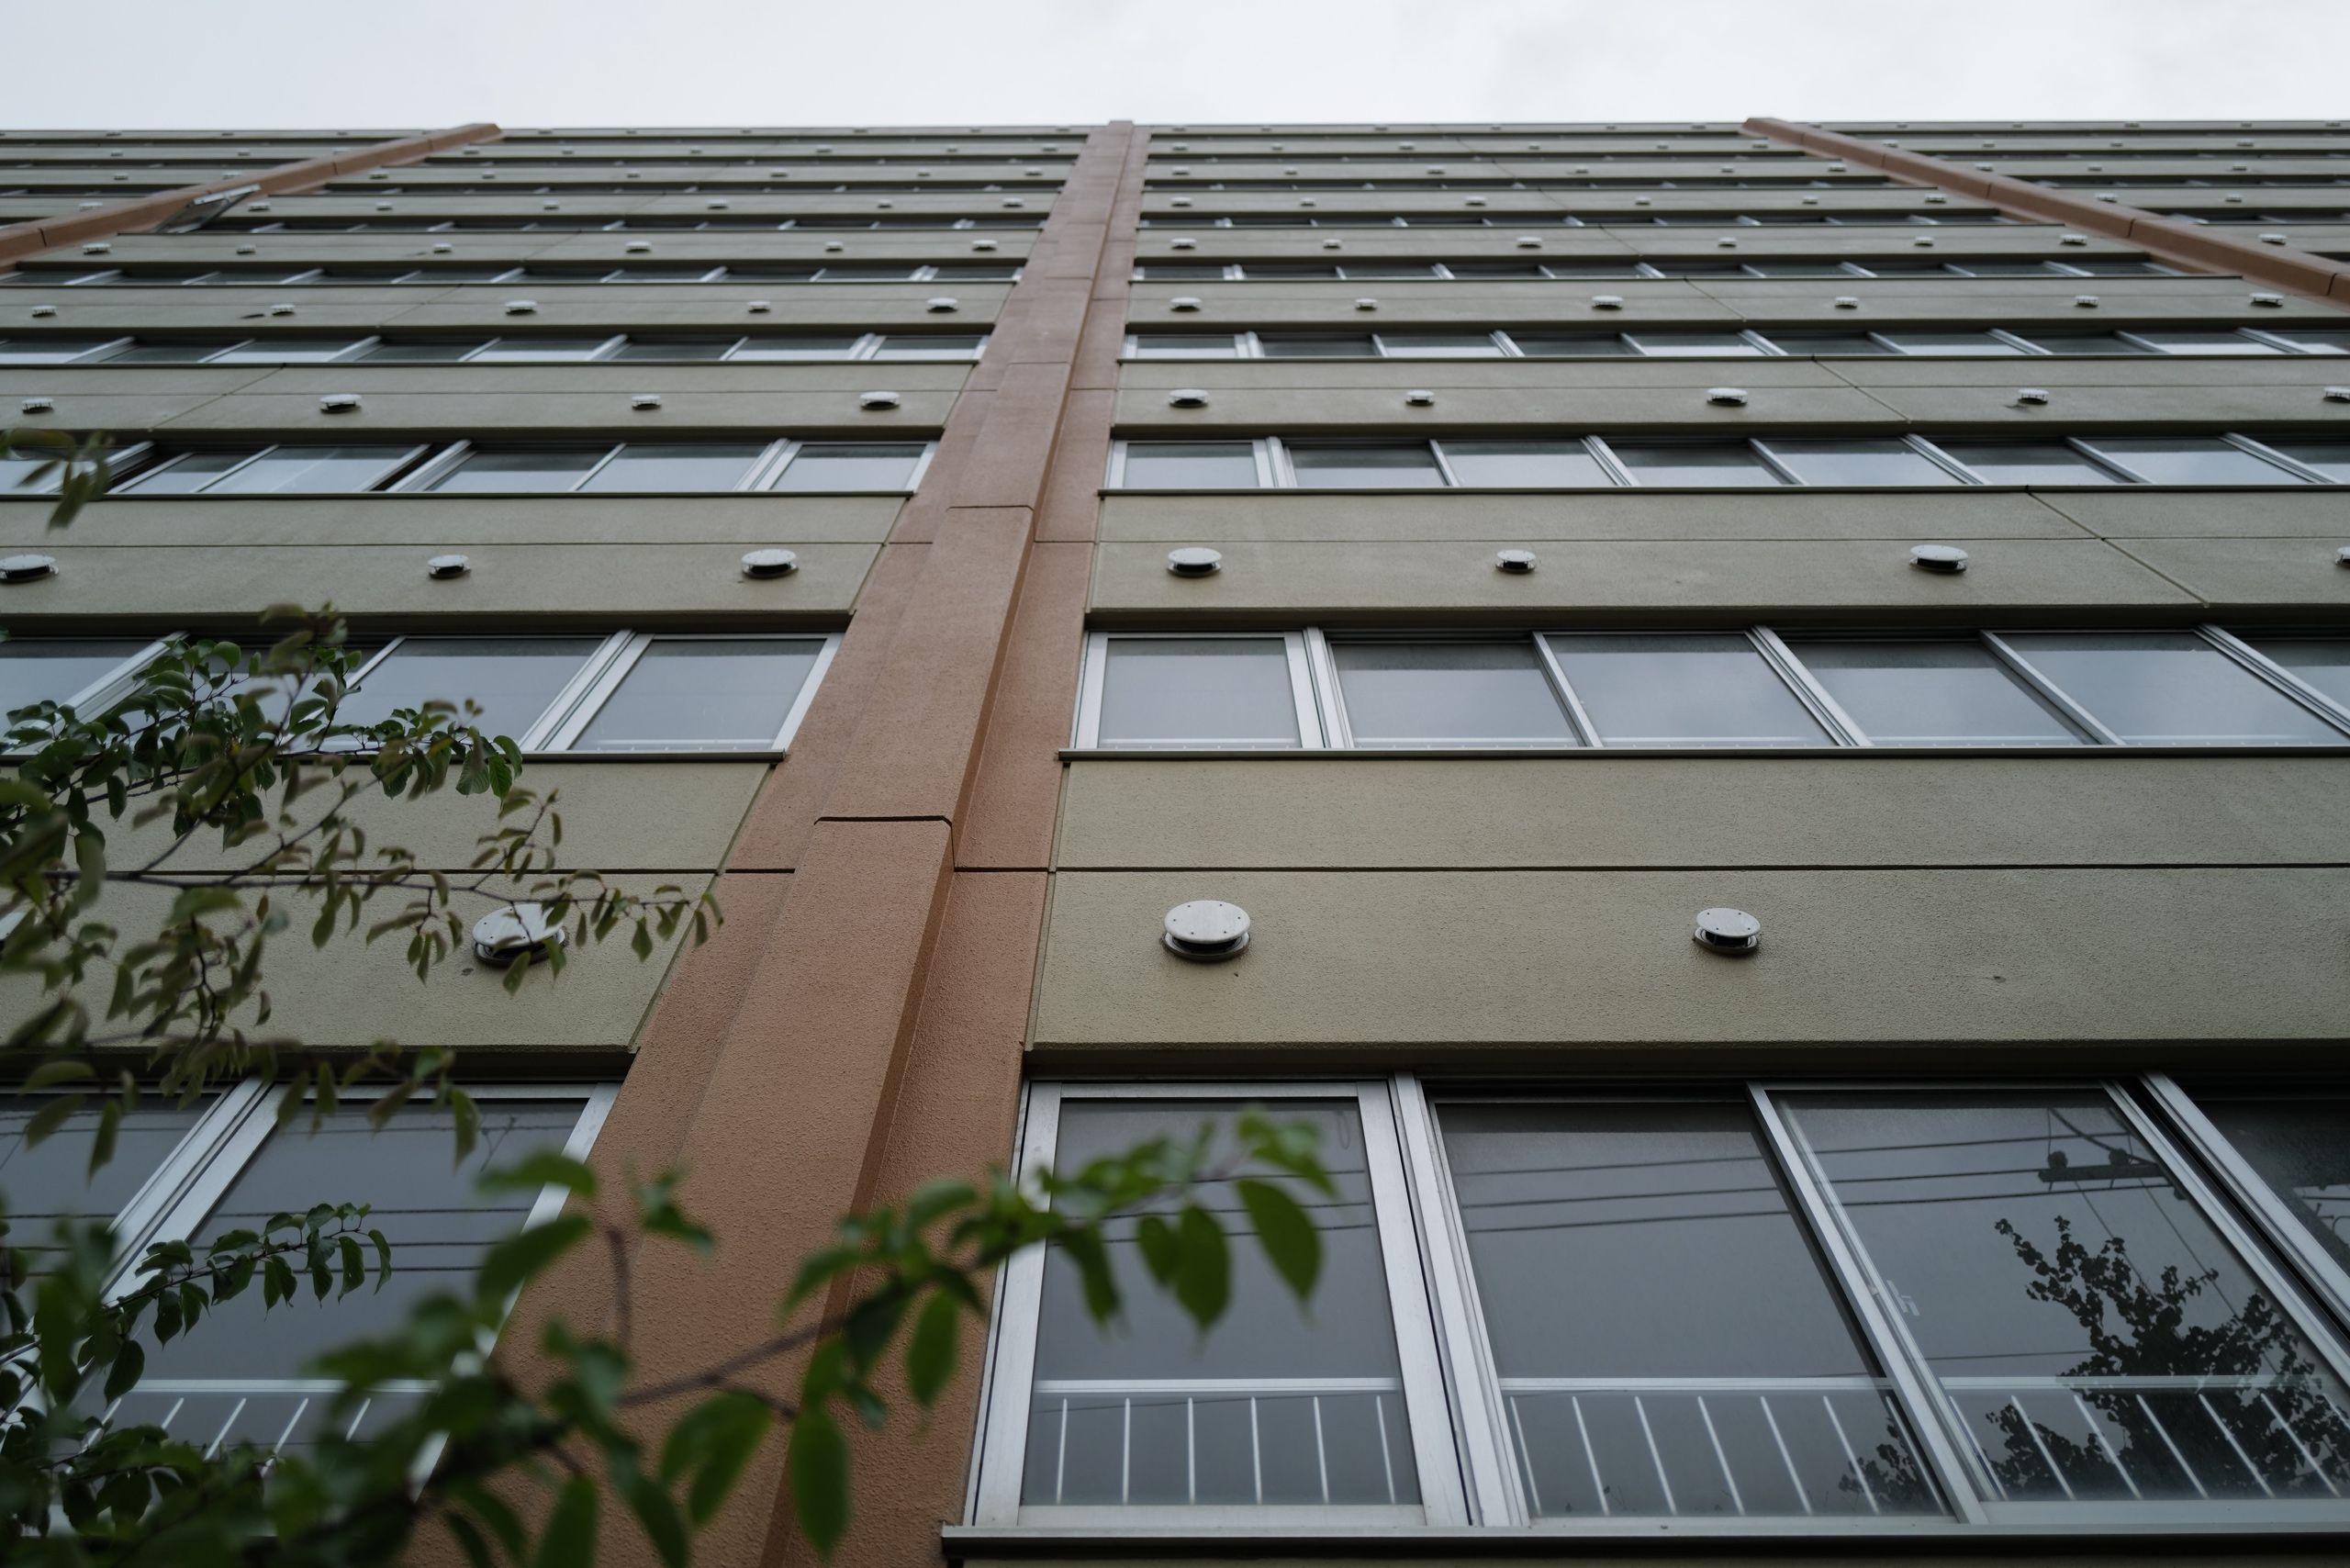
(167, 353)
(1198, 691)
(557, 469)
(1693, 346)
(861, 467)
(2169, 689)
(2028, 463)
(2097, 1338)
(1440, 346)
(1366, 466)
(193, 472)
(1531, 464)
(929, 346)
(1190, 465)
(521, 349)
(1703, 690)
(2323, 662)
(2191, 460)
(2300, 1143)
(1274, 1404)
(1572, 345)
(1905, 693)
(1660, 1326)
(42, 670)
(644, 466)
(286, 350)
(714, 695)
(2208, 342)
(798, 345)
(513, 679)
(43, 1184)
(313, 468)
(2330, 458)
(421, 353)
(46, 351)
(1968, 345)
(675, 348)
(440, 1225)
(1184, 345)
(1435, 694)
(1829, 342)
(1859, 462)
(2312, 340)
(1675, 462)
(1276, 346)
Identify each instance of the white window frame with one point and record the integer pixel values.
(568, 717)
(1087, 729)
(1012, 1357)
(406, 462)
(1260, 450)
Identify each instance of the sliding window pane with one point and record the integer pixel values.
(314, 470)
(1683, 690)
(798, 346)
(43, 669)
(512, 679)
(696, 349)
(1198, 691)
(1276, 1405)
(2096, 1341)
(1525, 465)
(1691, 464)
(2028, 463)
(2208, 344)
(50, 351)
(1887, 462)
(2169, 689)
(1185, 345)
(191, 472)
(2191, 460)
(1693, 345)
(1828, 343)
(2311, 339)
(704, 694)
(1964, 345)
(1572, 345)
(287, 351)
(643, 466)
(929, 346)
(1906, 693)
(2330, 458)
(1190, 466)
(1450, 694)
(421, 353)
(1366, 466)
(1666, 1338)
(865, 466)
(2320, 661)
(1440, 346)
(2299, 1141)
(2064, 343)
(519, 469)
(1278, 345)
(523, 351)
(52, 1181)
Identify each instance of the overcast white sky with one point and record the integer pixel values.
(572, 63)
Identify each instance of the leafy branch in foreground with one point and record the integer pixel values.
(235, 774)
(905, 1283)
(79, 463)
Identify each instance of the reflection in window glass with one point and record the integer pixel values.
(1190, 465)
(2190, 460)
(421, 352)
(1697, 690)
(317, 469)
(47, 351)
(39, 669)
(1688, 462)
(2300, 1143)
(519, 469)
(1859, 462)
(647, 466)
(703, 694)
(929, 346)
(186, 474)
(50, 1181)
(2330, 458)
(2312, 340)
(2028, 463)
(2094, 1338)
(1418, 694)
(1366, 466)
(864, 466)
(1528, 464)
(1274, 1404)
(2320, 661)
(2169, 689)
(440, 1225)
(1666, 1341)
(1198, 691)
(675, 348)
(512, 679)
(1829, 342)
(1915, 693)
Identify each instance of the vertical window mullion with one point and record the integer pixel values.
(1940, 459)
(2264, 668)
(1770, 460)
(1337, 732)
(2267, 453)
(2049, 689)
(1916, 1391)
(1086, 732)
(605, 462)
(1784, 663)
(1311, 735)
(1609, 464)
(1443, 466)
(1273, 471)
(1564, 689)
(1011, 1366)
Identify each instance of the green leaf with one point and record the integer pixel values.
(817, 1463)
(570, 1538)
(383, 1256)
(129, 1364)
(657, 1513)
(1203, 1274)
(715, 1441)
(476, 1549)
(521, 1257)
(354, 1263)
(1159, 1253)
(1291, 1243)
(542, 1170)
(930, 1354)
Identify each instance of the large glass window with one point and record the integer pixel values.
(1448, 694)
(2297, 1139)
(1888, 463)
(1683, 690)
(514, 679)
(862, 467)
(1190, 465)
(2028, 463)
(2190, 460)
(1934, 693)
(516, 469)
(2169, 689)
(1523, 465)
(1365, 465)
(45, 1184)
(58, 669)
(1196, 691)
(706, 466)
(2323, 663)
(704, 694)
(1693, 464)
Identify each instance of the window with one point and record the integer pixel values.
(2187, 460)
(865, 466)
(1278, 345)
(1189, 465)
(676, 466)
(1966, 345)
(523, 351)
(317, 470)
(53, 350)
(2329, 458)
(1706, 689)
(1365, 465)
(1525, 465)
(1693, 346)
(1890, 463)
(223, 1165)
(1693, 464)
(510, 469)
(1572, 345)
(2028, 463)
(622, 693)
(68, 670)
(1784, 1309)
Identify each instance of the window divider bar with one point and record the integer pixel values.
(2266, 669)
(1840, 725)
(2049, 689)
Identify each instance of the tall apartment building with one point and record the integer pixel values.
(1771, 702)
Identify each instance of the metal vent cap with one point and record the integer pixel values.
(1730, 930)
(1206, 930)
